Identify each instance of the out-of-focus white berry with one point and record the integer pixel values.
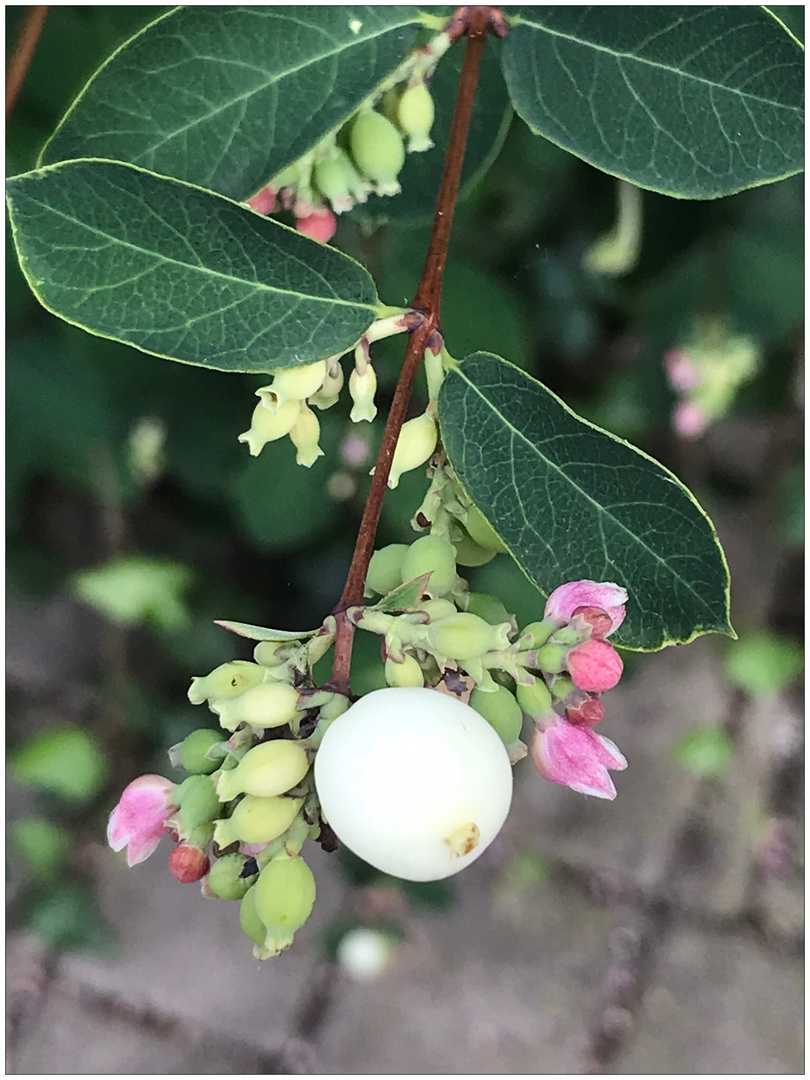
(414, 782)
(365, 954)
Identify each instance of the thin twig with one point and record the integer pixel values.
(23, 52)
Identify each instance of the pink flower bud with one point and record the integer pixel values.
(573, 595)
(264, 201)
(188, 863)
(576, 757)
(319, 225)
(682, 373)
(587, 713)
(598, 619)
(689, 420)
(139, 820)
(594, 666)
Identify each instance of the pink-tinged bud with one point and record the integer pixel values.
(139, 820)
(598, 619)
(577, 758)
(319, 225)
(264, 201)
(681, 372)
(587, 714)
(594, 666)
(689, 420)
(604, 595)
(188, 863)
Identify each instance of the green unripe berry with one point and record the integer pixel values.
(534, 700)
(193, 751)
(486, 607)
(404, 673)
(287, 177)
(225, 682)
(257, 820)
(385, 569)
(500, 710)
(268, 769)
(431, 554)
(284, 898)
(481, 531)
(198, 802)
(377, 147)
(224, 879)
(330, 178)
(415, 116)
(551, 658)
(269, 705)
(249, 918)
(438, 609)
(464, 636)
(469, 553)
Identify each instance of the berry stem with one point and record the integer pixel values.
(477, 22)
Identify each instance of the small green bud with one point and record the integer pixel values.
(268, 769)
(305, 433)
(266, 654)
(385, 569)
(562, 686)
(224, 879)
(225, 682)
(362, 388)
(434, 555)
(415, 116)
(198, 802)
(551, 658)
(257, 820)
(481, 531)
(536, 634)
(416, 442)
(249, 917)
(266, 706)
(501, 711)
(469, 553)
(284, 898)
(339, 182)
(293, 384)
(287, 177)
(465, 637)
(267, 426)
(534, 700)
(486, 607)
(377, 149)
(566, 635)
(192, 752)
(438, 609)
(406, 673)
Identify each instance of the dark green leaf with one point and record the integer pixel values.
(573, 502)
(181, 272)
(226, 97)
(695, 102)
(404, 598)
(264, 633)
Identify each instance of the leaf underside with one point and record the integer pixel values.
(264, 633)
(226, 97)
(181, 272)
(573, 502)
(695, 102)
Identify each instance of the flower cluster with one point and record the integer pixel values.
(706, 372)
(364, 156)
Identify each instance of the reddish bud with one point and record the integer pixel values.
(320, 225)
(264, 201)
(597, 618)
(587, 714)
(188, 863)
(594, 666)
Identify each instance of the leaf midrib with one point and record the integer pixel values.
(659, 66)
(584, 494)
(201, 269)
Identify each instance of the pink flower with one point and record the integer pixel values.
(594, 666)
(577, 757)
(320, 225)
(139, 820)
(605, 595)
(682, 373)
(264, 201)
(689, 420)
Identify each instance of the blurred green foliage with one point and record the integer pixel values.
(203, 531)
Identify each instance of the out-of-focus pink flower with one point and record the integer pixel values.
(682, 373)
(594, 666)
(264, 201)
(188, 863)
(320, 225)
(604, 595)
(139, 820)
(577, 757)
(689, 420)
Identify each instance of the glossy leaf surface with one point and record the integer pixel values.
(572, 501)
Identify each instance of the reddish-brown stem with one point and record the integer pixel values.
(428, 301)
(24, 50)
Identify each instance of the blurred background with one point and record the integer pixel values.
(661, 933)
